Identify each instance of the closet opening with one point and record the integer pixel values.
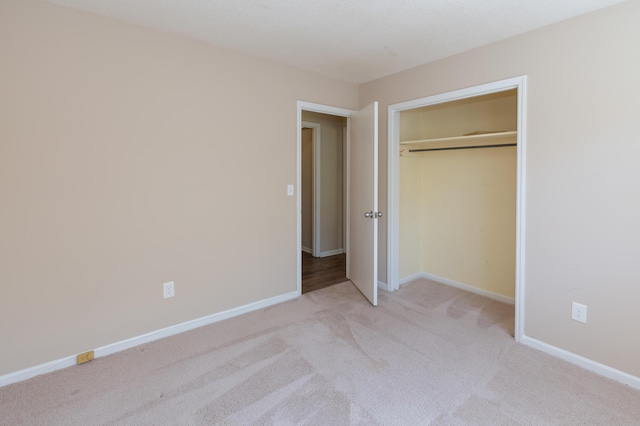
(456, 179)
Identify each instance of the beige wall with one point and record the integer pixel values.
(306, 190)
(459, 207)
(126, 160)
(582, 200)
(332, 193)
(469, 217)
(411, 220)
(331, 180)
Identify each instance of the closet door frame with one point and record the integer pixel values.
(393, 183)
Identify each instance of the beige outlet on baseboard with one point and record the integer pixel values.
(84, 357)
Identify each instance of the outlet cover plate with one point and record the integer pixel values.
(579, 312)
(168, 289)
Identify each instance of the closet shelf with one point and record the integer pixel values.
(496, 138)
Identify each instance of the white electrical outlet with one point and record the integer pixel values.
(290, 190)
(168, 289)
(579, 312)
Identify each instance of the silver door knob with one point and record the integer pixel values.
(368, 215)
(377, 214)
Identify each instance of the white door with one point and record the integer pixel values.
(362, 254)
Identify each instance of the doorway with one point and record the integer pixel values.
(361, 195)
(519, 85)
(324, 109)
(323, 193)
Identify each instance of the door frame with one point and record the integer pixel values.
(316, 148)
(323, 109)
(393, 182)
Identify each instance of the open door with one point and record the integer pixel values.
(362, 255)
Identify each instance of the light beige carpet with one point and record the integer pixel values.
(429, 354)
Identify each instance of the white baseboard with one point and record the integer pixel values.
(587, 364)
(69, 361)
(27, 373)
(412, 277)
(383, 286)
(331, 252)
(307, 250)
(456, 284)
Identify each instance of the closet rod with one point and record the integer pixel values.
(462, 147)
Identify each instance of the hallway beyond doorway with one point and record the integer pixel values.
(321, 272)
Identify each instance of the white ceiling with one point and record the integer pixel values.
(352, 40)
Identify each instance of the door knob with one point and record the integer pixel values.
(372, 215)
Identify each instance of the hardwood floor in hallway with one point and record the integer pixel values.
(321, 272)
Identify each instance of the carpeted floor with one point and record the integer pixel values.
(428, 354)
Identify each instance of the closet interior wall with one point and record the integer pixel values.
(458, 207)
